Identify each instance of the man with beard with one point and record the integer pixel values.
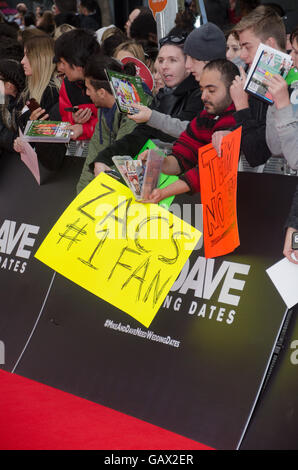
(215, 81)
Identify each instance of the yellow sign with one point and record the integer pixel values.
(123, 251)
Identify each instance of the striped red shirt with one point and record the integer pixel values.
(197, 134)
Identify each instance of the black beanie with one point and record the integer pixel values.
(12, 71)
(206, 43)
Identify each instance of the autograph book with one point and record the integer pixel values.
(267, 62)
(127, 91)
(139, 177)
(47, 131)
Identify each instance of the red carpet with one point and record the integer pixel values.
(34, 416)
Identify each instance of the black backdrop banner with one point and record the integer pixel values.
(199, 368)
(275, 421)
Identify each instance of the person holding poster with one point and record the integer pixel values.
(215, 83)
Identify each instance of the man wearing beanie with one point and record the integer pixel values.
(202, 45)
(206, 43)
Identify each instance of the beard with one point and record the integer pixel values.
(218, 108)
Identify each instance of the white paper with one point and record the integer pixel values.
(284, 276)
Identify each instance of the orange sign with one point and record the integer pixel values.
(157, 6)
(218, 179)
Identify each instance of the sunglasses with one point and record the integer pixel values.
(172, 40)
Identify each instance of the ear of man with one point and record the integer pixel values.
(271, 42)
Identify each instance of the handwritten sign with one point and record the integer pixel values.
(218, 179)
(156, 6)
(123, 251)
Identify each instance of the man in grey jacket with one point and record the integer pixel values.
(282, 117)
(282, 136)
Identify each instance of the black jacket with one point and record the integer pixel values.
(49, 102)
(184, 103)
(49, 155)
(92, 22)
(292, 220)
(8, 132)
(67, 18)
(253, 140)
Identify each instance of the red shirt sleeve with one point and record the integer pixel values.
(66, 116)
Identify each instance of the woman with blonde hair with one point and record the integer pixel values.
(63, 28)
(42, 83)
(130, 49)
(41, 92)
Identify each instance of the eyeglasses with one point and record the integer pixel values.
(172, 39)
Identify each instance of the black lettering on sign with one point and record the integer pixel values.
(80, 208)
(75, 237)
(140, 278)
(214, 214)
(225, 163)
(139, 228)
(122, 264)
(112, 214)
(166, 260)
(210, 160)
(157, 292)
(97, 249)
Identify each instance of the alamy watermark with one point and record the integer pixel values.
(126, 220)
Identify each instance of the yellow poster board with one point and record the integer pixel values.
(123, 251)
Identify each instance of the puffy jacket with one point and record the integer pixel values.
(184, 103)
(74, 94)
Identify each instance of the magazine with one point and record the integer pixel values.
(267, 62)
(140, 177)
(47, 131)
(127, 91)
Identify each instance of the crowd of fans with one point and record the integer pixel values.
(56, 59)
